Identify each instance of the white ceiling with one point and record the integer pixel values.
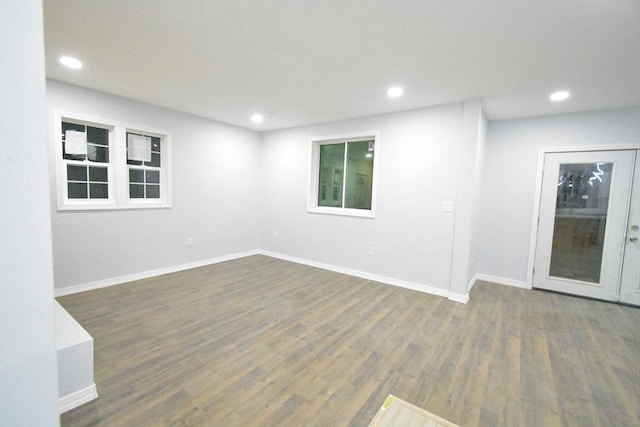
(301, 62)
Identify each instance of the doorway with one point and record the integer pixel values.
(588, 225)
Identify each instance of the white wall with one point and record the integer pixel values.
(477, 195)
(233, 188)
(466, 203)
(418, 170)
(28, 373)
(509, 178)
(215, 196)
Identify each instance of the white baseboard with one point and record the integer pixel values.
(501, 281)
(432, 290)
(458, 297)
(59, 292)
(373, 277)
(75, 399)
(472, 282)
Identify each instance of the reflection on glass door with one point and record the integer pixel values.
(582, 202)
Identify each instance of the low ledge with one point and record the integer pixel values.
(75, 399)
(75, 362)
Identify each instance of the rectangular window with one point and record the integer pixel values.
(343, 172)
(145, 166)
(85, 161)
(104, 165)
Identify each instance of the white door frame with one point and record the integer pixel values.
(538, 192)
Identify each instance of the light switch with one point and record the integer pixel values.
(447, 206)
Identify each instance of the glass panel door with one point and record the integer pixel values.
(582, 223)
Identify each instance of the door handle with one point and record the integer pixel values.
(633, 239)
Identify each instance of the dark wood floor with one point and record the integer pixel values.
(264, 342)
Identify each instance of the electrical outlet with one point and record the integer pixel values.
(372, 251)
(189, 241)
(276, 235)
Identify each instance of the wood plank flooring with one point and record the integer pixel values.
(264, 342)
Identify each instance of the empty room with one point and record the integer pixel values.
(318, 213)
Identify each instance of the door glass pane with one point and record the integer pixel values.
(580, 221)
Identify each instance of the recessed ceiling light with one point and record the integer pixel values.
(71, 62)
(257, 118)
(395, 92)
(559, 96)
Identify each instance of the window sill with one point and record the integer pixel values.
(360, 213)
(113, 207)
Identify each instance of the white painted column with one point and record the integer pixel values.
(28, 372)
(470, 151)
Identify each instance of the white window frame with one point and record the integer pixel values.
(146, 202)
(314, 173)
(118, 169)
(61, 165)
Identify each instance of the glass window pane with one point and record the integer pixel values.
(98, 153)
(76, 173)
(155, 144)
(77, 190)
(331, 177)
(99, 191)
(71, 126)
(136, 191)
(153, 191)
(359, 174)
(98, 174)
(72, 156)
(580, 221)
(153, 177)
(155, 160)
(136, 175)
(97, 135)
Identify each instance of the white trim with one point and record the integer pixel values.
(501, 281)
(68, 290)
(368, 276)
(472, 282)
(363, 213)
(77, 398)
(458, 297)
(533, 236)
(432, 290)
(610, 147)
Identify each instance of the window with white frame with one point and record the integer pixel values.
(105, 165)
(85, 154)
(343, 174)
(145, 165)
